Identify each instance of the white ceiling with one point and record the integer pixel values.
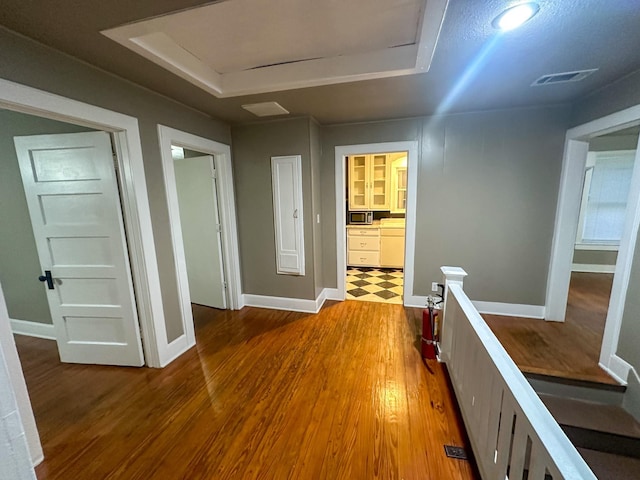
(473, 68)
(241, 47)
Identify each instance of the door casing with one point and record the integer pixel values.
(566, 227)
(227, 208)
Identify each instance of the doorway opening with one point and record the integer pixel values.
(64, 256)
(362, 202)
(601, 221)
(567, 231)
(200, 196)
(376, 206)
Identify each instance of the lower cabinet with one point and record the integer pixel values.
(392, 247)
(375, 247)
(363, 247)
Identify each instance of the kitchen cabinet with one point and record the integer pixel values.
(369, 182)
(363, 247)
(392, 247)
(399, 185)
(376, 246)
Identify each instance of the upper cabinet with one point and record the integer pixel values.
(399, 185)
(369, 182)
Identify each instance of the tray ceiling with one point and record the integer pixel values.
(242, 47)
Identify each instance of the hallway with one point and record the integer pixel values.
(264, 394)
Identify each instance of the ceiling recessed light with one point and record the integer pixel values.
(515, 16)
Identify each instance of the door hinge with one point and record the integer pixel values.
(214, 173)
(218, 228)
(224, 284)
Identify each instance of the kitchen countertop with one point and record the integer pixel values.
(384, 223)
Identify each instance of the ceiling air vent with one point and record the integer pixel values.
(564, 77)
(266, 109)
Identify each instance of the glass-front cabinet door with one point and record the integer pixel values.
(379, 184)
(358, 192)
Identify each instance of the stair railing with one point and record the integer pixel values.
(512, 434)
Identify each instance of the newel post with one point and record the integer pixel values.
(452, 276)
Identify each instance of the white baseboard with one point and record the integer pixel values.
(592, 268)
(619, 369)
(33, 329)
(417, 301)
(333, 294)
(510, 309)
(283, 303)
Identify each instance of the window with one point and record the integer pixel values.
(604, 197)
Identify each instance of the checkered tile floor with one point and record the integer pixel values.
(375, 284)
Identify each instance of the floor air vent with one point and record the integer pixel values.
(564, 77)
(455, 452)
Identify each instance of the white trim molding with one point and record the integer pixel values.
(341, 153)
(151, 39)
(569, 198)
(510, 309)
(597, 247)
(135, 200)
(33, 329)
(592, 268)
(619, 369)
(226, 205)
(291, 304)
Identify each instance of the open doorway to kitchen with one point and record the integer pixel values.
(375, 223)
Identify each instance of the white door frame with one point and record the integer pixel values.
(227, 208)
(135, 202)
(564, 237)
(343, 151)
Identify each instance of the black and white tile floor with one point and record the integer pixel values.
(375, 284)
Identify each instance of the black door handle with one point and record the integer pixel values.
(47, 278)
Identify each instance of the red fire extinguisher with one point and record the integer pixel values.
(429, 317)
(430, 326)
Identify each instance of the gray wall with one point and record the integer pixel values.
(616, 96)
(486, 199)
(253, 147)
(30, 63)
(19, 264)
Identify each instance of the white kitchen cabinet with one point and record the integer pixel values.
(392, 247)
(363, 247)
(369, 182)
(399, 185)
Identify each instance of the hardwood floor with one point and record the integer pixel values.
(264, 394)
(567, 350)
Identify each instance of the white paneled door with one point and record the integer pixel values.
(201, 232)
(286, 179)
(72, 193)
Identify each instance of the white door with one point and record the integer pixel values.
(200, 225)
(286, 182)
(72, 194)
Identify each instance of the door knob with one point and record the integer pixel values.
(47, 278)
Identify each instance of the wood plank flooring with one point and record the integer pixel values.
(265, 394)
(567, 350)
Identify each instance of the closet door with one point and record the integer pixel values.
(286, 180)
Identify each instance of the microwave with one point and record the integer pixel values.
(360, 218)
